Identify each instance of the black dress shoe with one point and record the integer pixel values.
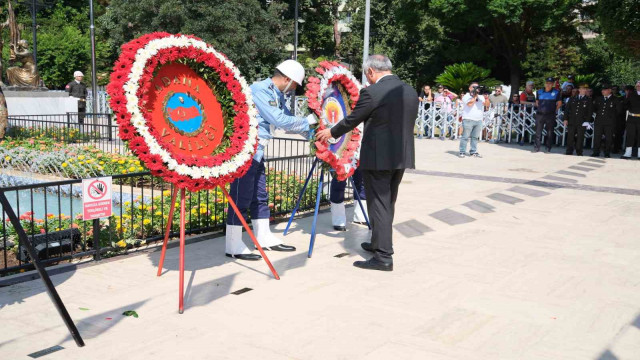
(248, 257)
(281, 247)
(373, 264)
(535, 150)
(595, 154)
(339, 227)
(367, 247)
(607, 155)
(548, 150)
(625, 157)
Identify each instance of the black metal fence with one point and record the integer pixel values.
(50, 212)
(98, 130)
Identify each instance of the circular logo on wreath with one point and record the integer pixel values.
(183, 106)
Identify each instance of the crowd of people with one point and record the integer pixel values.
(613, 114)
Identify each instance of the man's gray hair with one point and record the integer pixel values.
(377, 63)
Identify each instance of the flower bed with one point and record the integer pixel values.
(48, 156)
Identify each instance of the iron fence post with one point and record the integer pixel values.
(110, 127)
(96, 239)
(66, 138)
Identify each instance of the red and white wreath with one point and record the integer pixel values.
(165, 91)
(332, 76)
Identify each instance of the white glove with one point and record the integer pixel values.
(312, 119)
(587, 125)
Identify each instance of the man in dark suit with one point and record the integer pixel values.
(607, 109)
(577, 117)
(388, 108)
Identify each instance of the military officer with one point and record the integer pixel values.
(78, 89)
(618, 129)
(607, 108)
(577, 118)
(250, 192)
(632, 105)
(336, 196)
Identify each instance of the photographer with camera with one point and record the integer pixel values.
(548, 101)
(474, 103)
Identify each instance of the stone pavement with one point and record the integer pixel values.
(512, 256)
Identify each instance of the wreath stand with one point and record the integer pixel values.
(182, 239)
(315, 211)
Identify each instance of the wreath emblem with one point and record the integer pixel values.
(332, 95)
(184, 110)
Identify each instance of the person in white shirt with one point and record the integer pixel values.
(473, 105)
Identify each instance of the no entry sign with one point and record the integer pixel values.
(96, 198)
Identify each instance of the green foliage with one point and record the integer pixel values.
(620, 23)
(554, 56)
(457, 77)
(317, 33)
(497, 32)
(251, 34)
(600, 59)
(592, 79)
(403, 30)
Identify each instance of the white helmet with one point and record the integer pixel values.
(78, 73)
(293, 70)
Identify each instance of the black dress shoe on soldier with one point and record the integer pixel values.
(367, 247)
(339, 228)
(281, 247)
(373, 264)
(595, 154)
(248, 257)
(607, 155)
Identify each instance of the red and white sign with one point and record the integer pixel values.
(96, 198)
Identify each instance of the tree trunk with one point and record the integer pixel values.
(336, 36)
(515, 69)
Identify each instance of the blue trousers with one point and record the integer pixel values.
(250, 194)
(337, 188)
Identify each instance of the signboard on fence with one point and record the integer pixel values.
(96, 198)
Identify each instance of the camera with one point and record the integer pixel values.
(479, 90)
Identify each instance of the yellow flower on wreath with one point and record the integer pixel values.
(121, 244)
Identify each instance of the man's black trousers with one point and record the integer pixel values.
(575, 138)
(381, 187)
(607, 129)
(549, 121)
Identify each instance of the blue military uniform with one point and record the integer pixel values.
(546, 115)
(250, 192)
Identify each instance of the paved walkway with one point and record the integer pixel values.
(513, 256)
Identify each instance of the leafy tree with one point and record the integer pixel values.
(249, 32)
(319, 33)
(64, 45)
(404, 30)
(620, 23)
(503, 27)
(457, 77)
(552, 56)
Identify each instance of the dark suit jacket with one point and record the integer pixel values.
(389, 109)
(578, 111)
(607, 111)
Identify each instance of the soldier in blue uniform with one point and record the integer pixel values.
(250, 192)
(548, 101)
(336, 196)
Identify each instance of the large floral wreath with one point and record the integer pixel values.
(131, 91)
(345, 159)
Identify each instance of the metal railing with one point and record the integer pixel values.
(97, 130)
(49, 212)
(504, 122)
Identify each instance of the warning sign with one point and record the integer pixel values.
(96, 198)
